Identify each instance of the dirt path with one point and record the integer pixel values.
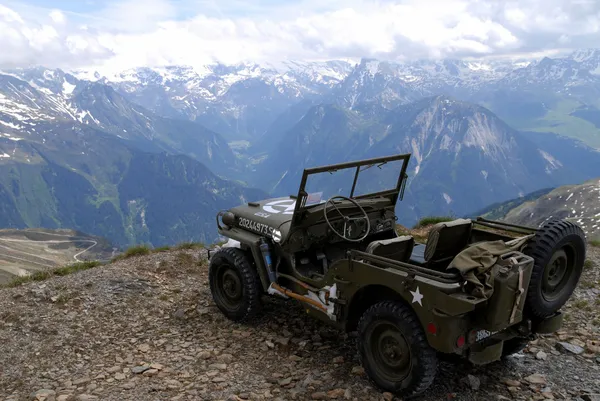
(145, 328)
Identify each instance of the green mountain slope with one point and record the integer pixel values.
(88, 180)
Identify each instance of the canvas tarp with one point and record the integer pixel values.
(476, 262)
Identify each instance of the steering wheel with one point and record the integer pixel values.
(347, 220)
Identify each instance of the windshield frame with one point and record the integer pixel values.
(393, 193)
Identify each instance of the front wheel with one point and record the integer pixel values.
(234, 284)
(394, 351)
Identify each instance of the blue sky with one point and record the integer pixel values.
(119, 34)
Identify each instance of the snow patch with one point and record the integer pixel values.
(11, 125)
(4, 155)
(551, 162)
(484, 174)
(48, 74)
(372, 67)
(68, 88)
(447, 198)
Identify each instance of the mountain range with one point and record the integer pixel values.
(151, 154)
(240, 102)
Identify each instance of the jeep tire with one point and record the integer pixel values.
(234, 284)
(394, 351)
(558, 250)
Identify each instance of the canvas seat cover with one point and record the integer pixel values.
(399, 248)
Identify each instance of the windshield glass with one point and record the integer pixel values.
(372, 178)
(322, 186)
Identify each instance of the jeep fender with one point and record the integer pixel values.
(249, 242)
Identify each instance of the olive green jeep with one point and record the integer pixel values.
(479, 289)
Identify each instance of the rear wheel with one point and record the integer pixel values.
(394, 351)
(234, 284)
(558, 250)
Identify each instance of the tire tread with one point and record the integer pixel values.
(540, 249)
(250, 282)
(427, 360)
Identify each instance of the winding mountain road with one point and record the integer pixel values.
(93, 242)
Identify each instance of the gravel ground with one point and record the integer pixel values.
(145, 328)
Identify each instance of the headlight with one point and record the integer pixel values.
(228, 219)
(276, 235)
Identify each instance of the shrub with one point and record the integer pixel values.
(190, 245)
(161, 249)
(137, 250)
(426, 221)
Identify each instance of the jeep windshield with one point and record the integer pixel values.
(384, 176)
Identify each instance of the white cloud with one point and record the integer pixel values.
(57, 16)
(157, 32)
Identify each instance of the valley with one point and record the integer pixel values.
(26, 251)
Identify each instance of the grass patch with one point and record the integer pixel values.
(595, 242)
(586, 285)
(588, 264)
(46, 274)
(184, 259)
(137, 250)
(189, 245)
(581, 304)
(427, 221)
(161, 249)
(76, 267)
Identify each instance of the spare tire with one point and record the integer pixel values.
(558, 250)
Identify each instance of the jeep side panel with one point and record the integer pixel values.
(440, 306)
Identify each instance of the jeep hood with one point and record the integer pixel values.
(263, 217)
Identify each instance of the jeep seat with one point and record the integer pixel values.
(399, 248)
(444, 242)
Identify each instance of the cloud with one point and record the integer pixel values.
(129, 33)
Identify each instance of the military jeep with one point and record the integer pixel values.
(477, 288)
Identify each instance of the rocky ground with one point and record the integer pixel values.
(145, 328)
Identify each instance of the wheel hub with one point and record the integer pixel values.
(390, 351)
(229, 286)
(556, 274)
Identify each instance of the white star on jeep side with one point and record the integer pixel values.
(417, 296)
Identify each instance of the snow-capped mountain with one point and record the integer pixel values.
(33, 100)
(237, 101)
(392, 84)
(243, 101)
